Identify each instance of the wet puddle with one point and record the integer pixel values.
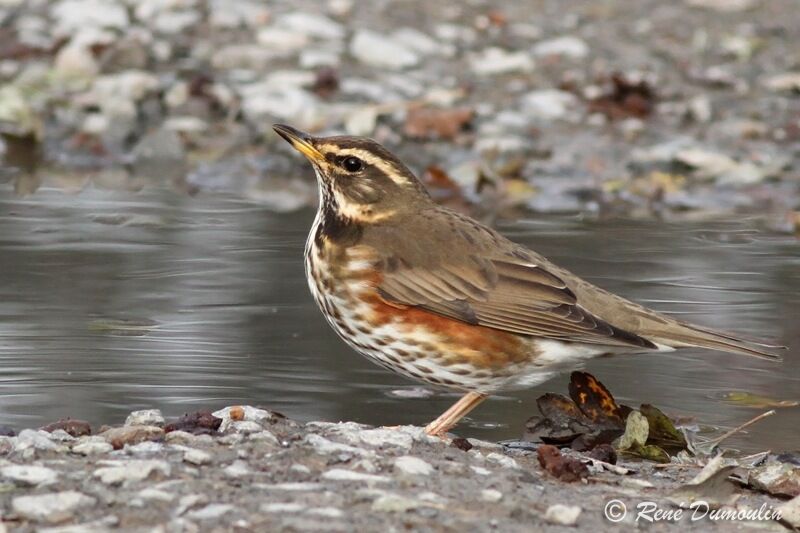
(112, 301)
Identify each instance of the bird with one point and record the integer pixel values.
(438, 297)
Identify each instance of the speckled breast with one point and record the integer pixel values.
(411, 341)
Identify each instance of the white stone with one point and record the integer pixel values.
(299, 486)
(566, 46)
(237, 469)
(386, 437)
(395, 503)
(35, 439)
(786, 82)
(419, 42)
(144, 448)
(245, 427)
(491, 495)
(281, 507)
(495, 61)
(412, 466)
(131, 471)
(326, 512)
(288, 103)
(312, 58)
(173, 22)
(562, 515)
(317, 26)
(52, 507)
(211, 511)
(29, 474)
(374, 49)
(75, 63)
(281, 39)
(548, 104)
(73, 15)
(326, 447)
(197, 457)
(156, 494)
(131, 85)
(236, 13)
(340, 474)
(480, 470)
(502, 460)
(146, 417)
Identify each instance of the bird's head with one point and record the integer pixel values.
(358, 178)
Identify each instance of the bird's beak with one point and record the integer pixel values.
(302, 142)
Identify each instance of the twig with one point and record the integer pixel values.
(716, 442)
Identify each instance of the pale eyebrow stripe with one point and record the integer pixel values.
(384, 166)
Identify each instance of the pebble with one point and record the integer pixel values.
(35, 440)
(312, 25)
(211, 511)
(125, 472)
(395, 503)
(146, 417)
(326, 512)
(548, 104)
(386, 437)
(480, 470)
(237, 469)
(496, 61)
(412, 466)
(52, 507)
(324, 446)
(281, 507)
(156, 494)
(566, 46)
(562, 515)
(130, 435)
(295, 487)
(786, 82)
(73, 15)
(340, 474)
(30, 475)
(197, 457)
(502, 460)
(491, 495)
(377, 50)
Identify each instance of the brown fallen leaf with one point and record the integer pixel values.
(75, 428)
(461, 443)
(625, 98)
(198, 423)
(428, 122)
(595, 401)
(326, 82)
(605, 453)
(562, 467)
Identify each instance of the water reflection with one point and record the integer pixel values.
(212, 291)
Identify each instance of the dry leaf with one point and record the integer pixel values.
(427, 122)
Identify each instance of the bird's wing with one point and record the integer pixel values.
(504, 292)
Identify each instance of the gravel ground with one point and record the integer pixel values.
(639, 108)
(262, 472)
(635, 108)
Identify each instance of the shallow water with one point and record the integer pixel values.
(112, 301)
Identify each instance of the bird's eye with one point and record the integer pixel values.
(352, 164)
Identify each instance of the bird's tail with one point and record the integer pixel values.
(691, 335)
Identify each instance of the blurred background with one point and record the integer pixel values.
(152, 225)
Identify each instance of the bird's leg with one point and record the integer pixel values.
(448, 419)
